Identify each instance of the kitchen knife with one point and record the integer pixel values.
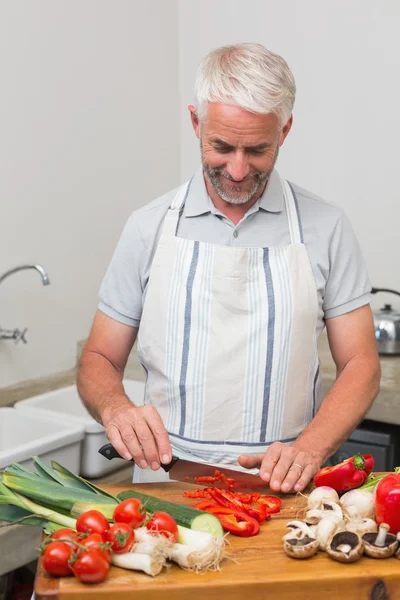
(187, 470)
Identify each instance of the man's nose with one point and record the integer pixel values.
(238, 166)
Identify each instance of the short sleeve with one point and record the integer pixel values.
(348, 286)
(121, 290)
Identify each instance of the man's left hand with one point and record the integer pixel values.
(285, 468)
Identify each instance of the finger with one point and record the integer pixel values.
(305, 478)
(293, 475)
(271, 459)
(281, 469)
(250, 461)
(130, 440)
(114, 437)
(147, 441)
(160, 435)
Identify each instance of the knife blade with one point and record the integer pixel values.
(187, 470)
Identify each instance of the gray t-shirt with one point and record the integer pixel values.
(339, 269)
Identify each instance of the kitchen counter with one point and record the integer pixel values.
(256, 568)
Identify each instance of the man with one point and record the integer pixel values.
(229, 281)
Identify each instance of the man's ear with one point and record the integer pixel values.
(195, 120)
(286, 130)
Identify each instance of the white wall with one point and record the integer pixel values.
(345, 56)
(89, 128)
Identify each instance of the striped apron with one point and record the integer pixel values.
(228, 342)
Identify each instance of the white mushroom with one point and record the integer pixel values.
(325, 530)
(298, 530)
(361, 526)
(300, 548)
(345, 546)
(333, 509)
(320, 495)
(382, 544)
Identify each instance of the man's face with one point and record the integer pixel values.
(238, 150)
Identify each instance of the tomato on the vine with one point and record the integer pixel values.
(161, 522)
(91, 567)
(95, 541)
(56, 557)
(130, 511)
(92, 521)
(121, 536)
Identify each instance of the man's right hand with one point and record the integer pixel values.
(138, 432)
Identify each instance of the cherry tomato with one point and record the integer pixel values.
(163, 523)
(56, 557)
(66, 534)
(122, 537)
(92, 521)
(130, 511)
(95, 541)
(91, 567)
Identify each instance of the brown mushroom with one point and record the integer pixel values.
(345, 546)
(300, 547)
(382, 544)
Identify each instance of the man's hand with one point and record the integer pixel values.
(138, 432)
(284, 467)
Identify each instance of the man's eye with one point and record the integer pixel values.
(257, 152)
(223, 150)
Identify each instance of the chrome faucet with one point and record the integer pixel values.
(39, 268)
(16, 334)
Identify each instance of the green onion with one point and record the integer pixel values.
(373, 480)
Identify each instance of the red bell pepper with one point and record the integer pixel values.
(387, 502)
(349, 474)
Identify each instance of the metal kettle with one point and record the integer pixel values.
(387, 326)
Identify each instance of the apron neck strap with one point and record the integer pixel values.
(293, 214)
(175, 210)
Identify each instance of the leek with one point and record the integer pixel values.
(73, 481)
(62, 497)
(81, 506)
(8, 497)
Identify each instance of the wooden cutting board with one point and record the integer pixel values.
(257, 569)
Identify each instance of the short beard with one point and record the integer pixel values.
(232, 195)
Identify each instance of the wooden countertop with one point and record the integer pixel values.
(258, 569)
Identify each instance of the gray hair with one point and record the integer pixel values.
(245, 75)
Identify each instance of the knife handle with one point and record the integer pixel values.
(108, 451)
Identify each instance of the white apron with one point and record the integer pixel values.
(228, 342)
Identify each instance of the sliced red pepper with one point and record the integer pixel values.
(198, 493)
(224, 499)
(241, 528)
(272, 503)
(204, 505)
(347, 475)
(236, 519)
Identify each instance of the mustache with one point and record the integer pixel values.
(256, 175)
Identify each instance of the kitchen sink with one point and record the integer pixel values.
(65, 406)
